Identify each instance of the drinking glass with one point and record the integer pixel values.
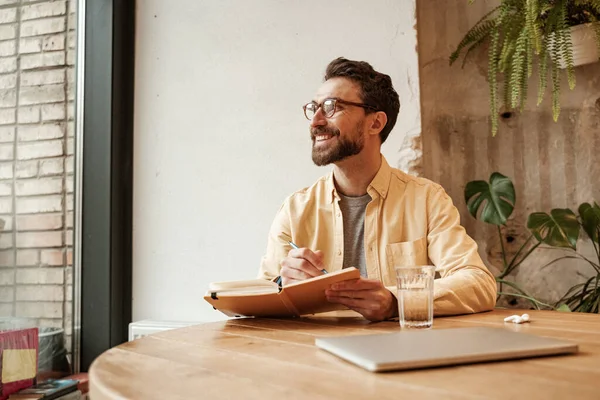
(415, 295)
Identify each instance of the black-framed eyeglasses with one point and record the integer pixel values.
(329, 107)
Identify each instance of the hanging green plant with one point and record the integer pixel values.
(521, 32)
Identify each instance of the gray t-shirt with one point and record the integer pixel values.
(353, 214)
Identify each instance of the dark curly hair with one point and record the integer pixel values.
(376, 88)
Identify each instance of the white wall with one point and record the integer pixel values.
(220, 138)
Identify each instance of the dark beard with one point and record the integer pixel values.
(345, 147)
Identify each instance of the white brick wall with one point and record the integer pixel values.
(28, 258)
(8, 47)
(8, 64)
(40, 309)
(31, 187)
(8, 15)
(7, 295)
(42, 149)
(40, 293)
(6, 242)
(42, 77)
(7, 152)
(40, 204)
(7, 134)
(53, 257)
(6, 171)
(5, 208)
(45, 276)
(43, 26)
(53, 112)
(51, 59)
(26, 169)
(41, 94)
(48, 9)
(28, 115)
(69, 164)
(39, 239)
(30, 45)
(8, 31)
(7, 277)
(5, 189)
(8, 81)
(28, 133)
(7, 116)
(7, 258)
(37, 50)
(56, 42)
(52, 166)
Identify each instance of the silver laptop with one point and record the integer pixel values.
(439, 347)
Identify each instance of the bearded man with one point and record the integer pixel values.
(368, 215)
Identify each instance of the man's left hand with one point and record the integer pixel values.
(366, 296)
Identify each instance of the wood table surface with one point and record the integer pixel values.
(277, 359)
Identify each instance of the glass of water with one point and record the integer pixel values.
(415, 295)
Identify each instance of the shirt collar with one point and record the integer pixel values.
(379, 184)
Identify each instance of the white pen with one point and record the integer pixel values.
(294, 245)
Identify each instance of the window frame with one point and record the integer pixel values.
(102, 281)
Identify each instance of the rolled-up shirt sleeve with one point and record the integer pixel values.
(465, 284)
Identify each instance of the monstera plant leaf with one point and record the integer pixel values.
(496, 198)
(590, 220)
(559, 229)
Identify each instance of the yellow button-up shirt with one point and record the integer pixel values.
(409, 221)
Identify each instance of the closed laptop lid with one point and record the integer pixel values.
(438, 347)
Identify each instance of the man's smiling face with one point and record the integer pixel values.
(341, 135)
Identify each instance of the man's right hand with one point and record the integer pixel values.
(301, 264)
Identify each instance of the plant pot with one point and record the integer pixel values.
(52, 357)
(585, 47)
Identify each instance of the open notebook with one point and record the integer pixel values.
(260, 298)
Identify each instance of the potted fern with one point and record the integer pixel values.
(556, 34)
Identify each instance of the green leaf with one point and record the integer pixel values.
(496, 199)
(563, 308)
(493, 78)
(566, 46)
(543, 73)
(590, 220)
(533, 25)
(559, 229)
(474, 37)
(518, 66)
(520, 293)
(479, 32)
(555, 73)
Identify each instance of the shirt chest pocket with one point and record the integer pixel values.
(406, 253)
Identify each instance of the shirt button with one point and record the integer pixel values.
(339, 252)
(339, 215)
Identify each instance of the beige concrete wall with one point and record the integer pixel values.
(552, 164)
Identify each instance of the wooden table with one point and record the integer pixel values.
(277, 359)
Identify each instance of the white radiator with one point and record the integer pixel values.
(146, 327)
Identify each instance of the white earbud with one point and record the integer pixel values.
(517, 319)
